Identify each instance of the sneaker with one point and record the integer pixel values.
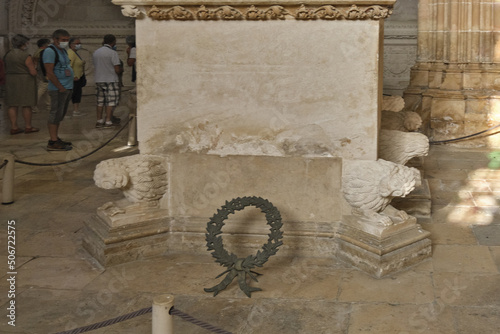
(57, 146)
(78, 114)
(99, 124)
(109, 125)
(64, 142)
(116, 120)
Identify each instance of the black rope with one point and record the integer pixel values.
(143, 311)
(76, 159)
(108, 322)
(5, 162)
(197, 322)
(465, 137)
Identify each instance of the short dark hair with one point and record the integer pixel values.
(130, 40)
(60, 33)
(109, 39)
(73, 39)
(19, 40)
(42, 41)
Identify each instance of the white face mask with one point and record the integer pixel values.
(78, 46)
(63, 45)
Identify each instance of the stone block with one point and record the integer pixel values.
(303, 189)
(452, 80)
(243, 87)
(472, 80)
(379, 266)
(114, 239)
(397, 248)
(451, 110)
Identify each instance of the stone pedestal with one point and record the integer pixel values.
(115, 236)
(257, 99)
(381, 250)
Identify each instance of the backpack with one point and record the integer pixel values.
(2, 73)
(42, 66)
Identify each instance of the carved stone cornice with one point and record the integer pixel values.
(273, 12)
(257, 10)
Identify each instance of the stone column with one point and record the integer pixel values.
(454, 83)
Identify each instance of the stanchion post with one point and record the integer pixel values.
(162, 319)
(8, 180)
(132, 130)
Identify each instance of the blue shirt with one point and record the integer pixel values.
(61, 68)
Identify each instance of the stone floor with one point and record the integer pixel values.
(59, 287)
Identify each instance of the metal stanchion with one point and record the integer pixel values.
(8, 180)
(162, 319)
(132, 130)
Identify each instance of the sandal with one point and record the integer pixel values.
(30, 130)
(16, 131)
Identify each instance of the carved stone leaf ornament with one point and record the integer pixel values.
(274, 12)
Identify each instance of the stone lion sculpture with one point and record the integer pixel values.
(399, 147)
(406, 121)
(369, 187)
(394, 118)
(142, 178)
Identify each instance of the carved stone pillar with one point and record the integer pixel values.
(454, 84)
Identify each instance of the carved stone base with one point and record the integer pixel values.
(395, 248)
(113, 237)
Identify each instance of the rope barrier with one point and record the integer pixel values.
(76, 159)
(197, 322)
(108, 322)
(5, 162)
(143, 311)
(464, 137)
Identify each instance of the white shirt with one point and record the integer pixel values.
(105, 60)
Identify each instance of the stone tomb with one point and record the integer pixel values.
(239, 98)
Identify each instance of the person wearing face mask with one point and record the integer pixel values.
(60, 76)
(78, 66)
(21, 90)
(108, 69)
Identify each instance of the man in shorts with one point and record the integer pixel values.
(60, 76)
(108, 67)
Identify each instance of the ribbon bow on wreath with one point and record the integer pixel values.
(242, 266)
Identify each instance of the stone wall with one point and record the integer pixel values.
(91, 19)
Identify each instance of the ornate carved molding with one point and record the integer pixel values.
(273, 12)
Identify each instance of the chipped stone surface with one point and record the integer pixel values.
(279, 102)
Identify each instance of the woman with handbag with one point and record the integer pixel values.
(78, 66)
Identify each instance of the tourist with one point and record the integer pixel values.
(78, 66)
(132, 55)
(60, 75)
(20, 84)
(108, 68)
(43, 101)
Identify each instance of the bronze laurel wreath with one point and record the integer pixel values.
(242, 266)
